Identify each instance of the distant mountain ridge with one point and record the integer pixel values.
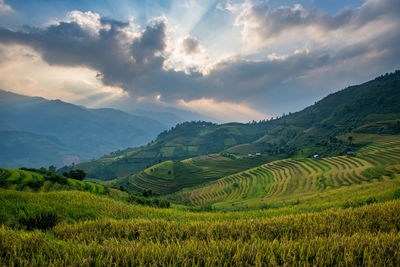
(54, 128)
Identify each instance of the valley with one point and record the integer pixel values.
(317, 187)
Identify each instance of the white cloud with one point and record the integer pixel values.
(187, 54)
(89, 21)
(4, 8)
(275, 56)
(222, 111)
(288, 28)
(23, 71)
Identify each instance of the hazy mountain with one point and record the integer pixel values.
(18, 149)
(167, 118)
(67, 129)
(165, 114)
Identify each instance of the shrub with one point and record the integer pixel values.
(41, 219)
(35, 184)
(164, 204)
(396, 194)
(76, 174)
(158, 203)
(355, 204)
(56, 178)
(371, 200)
(147, 193)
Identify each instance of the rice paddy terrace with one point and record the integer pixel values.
(94, 230)
(171, 176)
(294, 179)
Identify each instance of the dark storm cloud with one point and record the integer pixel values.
(136, 64)
(68, 44)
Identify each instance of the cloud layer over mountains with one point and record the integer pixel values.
(291, 55)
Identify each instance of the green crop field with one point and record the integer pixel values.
(171, 176)
(293, 179)
(82, 229)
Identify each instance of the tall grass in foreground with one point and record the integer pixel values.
(365, 236)
(37, 249)
(377, 218)
(19, 209)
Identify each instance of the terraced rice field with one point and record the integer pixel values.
(142, 181)
(364, 236)
(171, 176)
(279, 179)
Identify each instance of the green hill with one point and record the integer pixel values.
(44, 181)
(185, 140)
(371, 107)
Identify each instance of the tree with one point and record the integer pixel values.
(147, 193)
(75, 174)
(350, 138)
(52, 168)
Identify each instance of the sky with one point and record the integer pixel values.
(227, 60)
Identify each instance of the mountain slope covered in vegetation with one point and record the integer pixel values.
(371, 107)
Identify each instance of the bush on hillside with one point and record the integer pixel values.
(155, 202)
(356, 204)
(396, 194)
(48, 175)
(39, 219)
(76, 174)
(147, 193)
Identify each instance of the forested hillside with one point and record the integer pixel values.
(371, 107)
